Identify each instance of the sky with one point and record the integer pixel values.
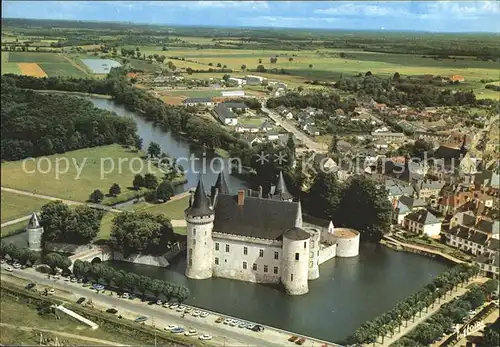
(433, 16)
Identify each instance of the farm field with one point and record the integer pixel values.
(40, 64)
(13, 228)
(33, 57)
(9, 67)
(31, 69)
(63, 70)
(71, 186)
(172, 209)
(16, 205)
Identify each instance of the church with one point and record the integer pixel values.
(260, 239)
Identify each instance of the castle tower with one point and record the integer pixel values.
(35, 231)
(200, 222)
(295, 261)
(221, 185)
(280, 191)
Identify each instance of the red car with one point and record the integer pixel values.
(293, 338)
(300, 341)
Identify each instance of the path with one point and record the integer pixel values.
(412, 325)
(307, 141)
(424, 249)
(223, 335)
(60, 333)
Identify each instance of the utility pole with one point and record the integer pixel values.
(154, 327)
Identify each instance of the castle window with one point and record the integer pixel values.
(244, 265)
(254, 267)
(275, 270)
(216, 246)
(245, 250)
(276, 255)
(194, 231)
(216, 261)
(190, 252)
(227, 248)
(194, 242)
(296, 256)
(190, 262)
(291, 277)
(261, 253)
(265, 268)
(305, 244)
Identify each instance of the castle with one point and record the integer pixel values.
(259, 239)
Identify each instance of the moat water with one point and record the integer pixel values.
(348, 292)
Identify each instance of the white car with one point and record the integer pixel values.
(9, 269)
(17, 265)
(171, 327)
(3, 261)
(125, 296)
(165, 304)
(74, 280)
(227, 320)
(173, 306)
(159, 302)
(204, 314)
(56, 277)
(188, 309)
(51, 291)
(234, 323)
(180, 309)
(191, 332)
(196, 313)
(205, 337)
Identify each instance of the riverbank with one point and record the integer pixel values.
(62, 92)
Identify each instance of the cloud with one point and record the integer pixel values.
(466, 9)
(288, 22)
(379, 9)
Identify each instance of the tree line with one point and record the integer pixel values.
(315, 99)
(127, 281)
(23, 256)
(414, 305)
(35, 124)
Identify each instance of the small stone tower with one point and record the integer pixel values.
(35, 231)
(200, 222)
(295, 261)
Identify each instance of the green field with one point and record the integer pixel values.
(64, 69)
(69, 185)
(9, 67)
(16, 206)
(172, 209)
(33, 57)
(13, 228)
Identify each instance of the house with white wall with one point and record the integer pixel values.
(422, 222)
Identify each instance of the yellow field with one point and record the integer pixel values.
(32, 69)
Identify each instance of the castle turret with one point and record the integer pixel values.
(200, 222)
(280, 191)
(221, 185)
(295, 261)
(35, 231)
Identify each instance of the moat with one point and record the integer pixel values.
(348, 292)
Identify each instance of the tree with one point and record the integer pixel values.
(290, 59)
(261, 68)
(396, 76)
(138, 182)
(368, 73)
(219, 65)
(52, 260)
(226, 77)
(491, 285)
(324, 196)
(164, 191)
(260, 61)
(363, 198)
(115, 189)
(189, 71)
(310, 66)
(97, 196)
(334, 144)
(154, 150)
(53, 219)
(290, 143)
(150, 181)
(273, 60)
(243, 67)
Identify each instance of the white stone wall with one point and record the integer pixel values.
(229, 262)
(144, 259)
(327, 253)
(432, 230)
(66, 247)
(314, 252)
(347, 246)
(295, 273)
(199, 246)
(35, 239)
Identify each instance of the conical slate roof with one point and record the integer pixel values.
(200, 206)
(281, 191)
(33, 223)
(221, 184)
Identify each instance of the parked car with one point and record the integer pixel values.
(3, 261)
(187, 309)
(51, 291)
(66, 279)
(165, 304)
(219, 320)
(180, 309)
(56, 277)
(177, 330)
(293, 338)
(80, 280)
(16, 265)
(80, 301)
(74, 280)
(171, 326)
(205, 337)
(300, 341)
(141, 319)
(250, 326)
(9, 269)
(191, 332)
(86, 284)
(204, 314)
(196, 313)
(258, 328)
(242, 324)
(30, 286)
(112, 310)
(227, 320)
(173, 306)
(234, 323)
(125, 295)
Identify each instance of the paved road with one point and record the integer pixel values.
(60, 333)
(307, 141)
(221, 333)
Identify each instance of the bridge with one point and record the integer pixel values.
(95, 252)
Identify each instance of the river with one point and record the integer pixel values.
(348, 292)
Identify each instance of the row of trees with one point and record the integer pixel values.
(127, 281)
(64, 224)
(448, 315)
(35, 124)
(414, 305)
(316, 99)
(24, 256)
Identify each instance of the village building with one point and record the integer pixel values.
(422, 222)
(198, 101)
(225, 115)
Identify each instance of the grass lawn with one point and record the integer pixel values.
(73, 187)
(106, 224)
(13, 228)
(172, 210)
(180, 230)
(9, 67)
(33, 57)
(16, 205)
(61, 69)
(250, 121)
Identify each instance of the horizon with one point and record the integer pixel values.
(355, 16)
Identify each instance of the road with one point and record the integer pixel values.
(222, 334)
(60, 333)
(307, 141)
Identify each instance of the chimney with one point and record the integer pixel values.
(241, 197)
(260, 192)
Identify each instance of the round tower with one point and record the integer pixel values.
(313, 252)
(200, 222)
(295, 261)
(347, 242)
(35, 231)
